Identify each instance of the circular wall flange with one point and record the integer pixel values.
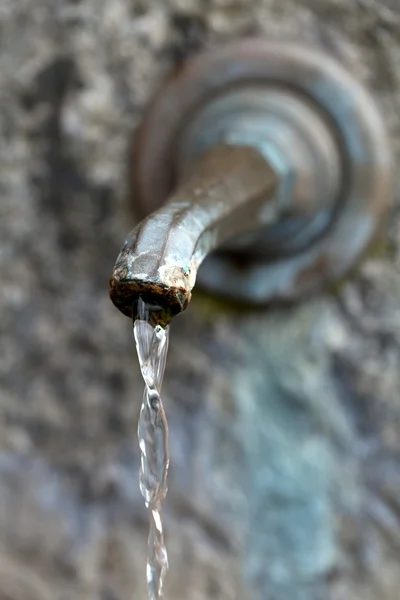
(360, 134)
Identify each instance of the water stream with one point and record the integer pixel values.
(152, 345)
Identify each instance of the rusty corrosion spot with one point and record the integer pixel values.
(167, 302)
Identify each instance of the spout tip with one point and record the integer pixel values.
(143, 271)
(170, 301)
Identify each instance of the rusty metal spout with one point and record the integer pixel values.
(229, 191)
(283, 167)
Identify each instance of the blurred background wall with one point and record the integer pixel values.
(285, 426)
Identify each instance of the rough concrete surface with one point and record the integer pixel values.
(285, 425)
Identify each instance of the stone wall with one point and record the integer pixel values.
(285, 426)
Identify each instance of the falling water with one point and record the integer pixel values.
(152, 345)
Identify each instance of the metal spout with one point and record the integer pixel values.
(282, 162)
(228, 191)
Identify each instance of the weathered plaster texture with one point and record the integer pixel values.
(285, 426)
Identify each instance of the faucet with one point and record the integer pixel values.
(229, 192)
(266, 163)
